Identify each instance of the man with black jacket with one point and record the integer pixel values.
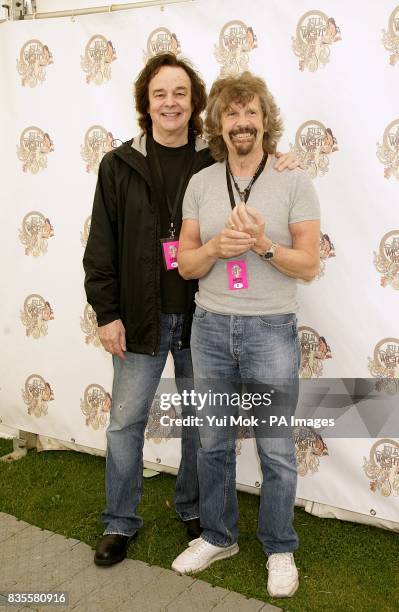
(143, 307)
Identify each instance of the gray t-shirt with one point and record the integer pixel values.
(281, 198)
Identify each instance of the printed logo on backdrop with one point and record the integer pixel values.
(390, 38)
(36, 394)
(244, 433)
(95, 406)
(88, 325)
(315, 33)
(313, 144)
(309, 447)
(314, 350)
(97, 142)
(382, 467)
(159, 41)
(385, 365)
(236, 41)
(327, 250)
(33, 59)
(84, 236)
(155, 431)
(35, 316)
(388, 151)
(386, 261)
(34, 145)
(97, 60)
(35, 232)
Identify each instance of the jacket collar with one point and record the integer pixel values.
(134, 153)
(134, 157)
(139, 143)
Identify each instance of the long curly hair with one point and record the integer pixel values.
(141, 89)
(240, 89)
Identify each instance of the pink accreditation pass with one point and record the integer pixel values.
(237, 274)
(169, 250)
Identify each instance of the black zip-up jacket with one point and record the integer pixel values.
(122, 256)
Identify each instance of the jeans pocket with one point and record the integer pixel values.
(199, 313)
(278, 321)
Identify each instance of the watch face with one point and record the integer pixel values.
(268, 255)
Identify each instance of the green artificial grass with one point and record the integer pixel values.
(342, 566)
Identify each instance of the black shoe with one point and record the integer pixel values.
(111, 549)
(193, 528)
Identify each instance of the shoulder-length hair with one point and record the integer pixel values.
(240, 89)
(141, 89)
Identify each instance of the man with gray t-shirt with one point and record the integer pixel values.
(248, 233)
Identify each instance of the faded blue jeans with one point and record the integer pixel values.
(263, 352)
(136, 379)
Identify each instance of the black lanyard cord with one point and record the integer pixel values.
(244, 195)
(184, 178)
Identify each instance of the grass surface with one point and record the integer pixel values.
(342, 566)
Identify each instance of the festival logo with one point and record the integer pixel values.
(84, 236)
(33, 59)
(36, 395)
(382, 467)
(313, 144)
(96, 405)
(155, 431)
(315, 33)
(96, 62)
(390, 38)
(309, 447)
(88, 325)
(35, 232)
(97, 142)
(236, 40)
(327, 250)
(243, 433)
(385, 365)
(159, 41)
(34, 145)
(388, 151)
(386, 261)
(314, 350)
(35, 315)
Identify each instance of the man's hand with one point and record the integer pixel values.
(246, 219)
(286, 161)
(113, 338)
(230, 243)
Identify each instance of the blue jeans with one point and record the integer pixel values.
(136, 379)
(227, 351)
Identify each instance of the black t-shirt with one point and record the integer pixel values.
(173, 161)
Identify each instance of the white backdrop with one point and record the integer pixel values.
(337, 84)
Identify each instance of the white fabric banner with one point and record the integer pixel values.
(66, 97)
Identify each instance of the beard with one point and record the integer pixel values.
(245, 147)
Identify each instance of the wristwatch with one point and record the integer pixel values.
(269, 254)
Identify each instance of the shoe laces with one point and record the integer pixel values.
(199, 546)
(280, 563)
(192, 542)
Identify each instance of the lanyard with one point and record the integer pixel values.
(244, 195)
(174, 208)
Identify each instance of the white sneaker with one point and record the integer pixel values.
(200, 554)
(283, 575)
(191, 542)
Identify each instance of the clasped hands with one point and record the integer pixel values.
(244, 229)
